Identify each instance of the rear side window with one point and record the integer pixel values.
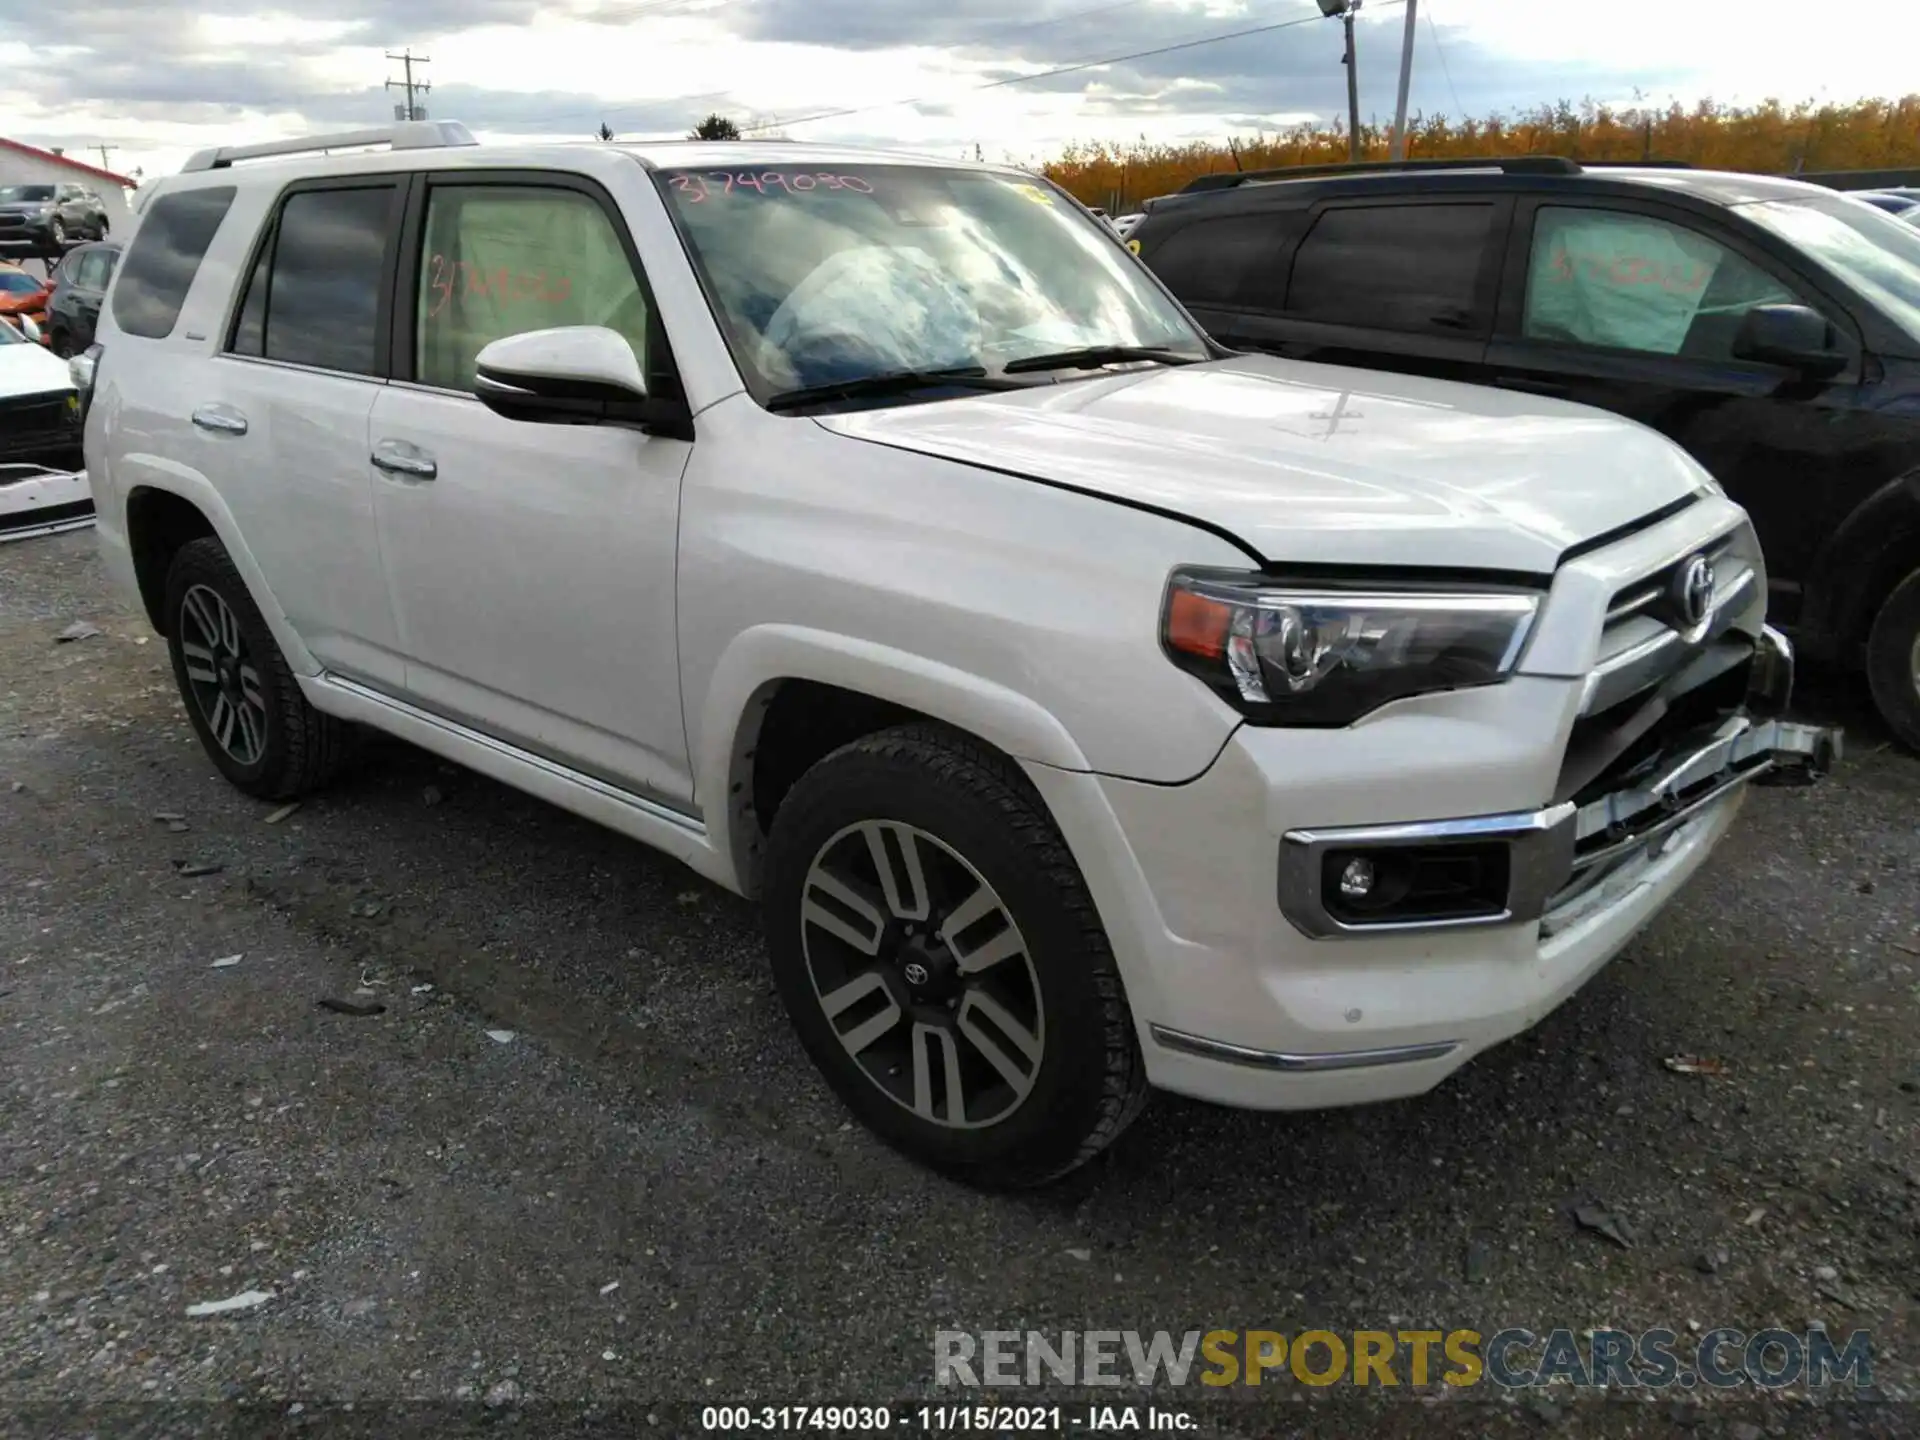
(314, 295)
(166, 255)
(1393, 267)
(1228, 260)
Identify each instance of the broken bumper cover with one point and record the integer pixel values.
(42, 500)
(1556, 854)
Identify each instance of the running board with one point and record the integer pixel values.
(662, 827)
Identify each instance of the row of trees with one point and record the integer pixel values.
(1769, 138)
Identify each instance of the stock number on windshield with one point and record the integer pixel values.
(765, 182)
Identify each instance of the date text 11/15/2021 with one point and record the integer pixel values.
(946, 1419)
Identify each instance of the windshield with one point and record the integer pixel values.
(827, 278)
(14, 194)
(9, 335)
(1872, 251)
(18, 282)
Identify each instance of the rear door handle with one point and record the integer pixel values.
(397, 457)
(221, 419)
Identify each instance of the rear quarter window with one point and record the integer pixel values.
(1393, 267)
(165, 256)
(1226, 260)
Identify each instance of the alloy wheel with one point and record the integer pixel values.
(923, 974)
(221, 674)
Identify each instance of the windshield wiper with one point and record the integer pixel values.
(892, 382)
(1092, 356)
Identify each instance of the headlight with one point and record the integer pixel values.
(1327, 655)
(80, 368)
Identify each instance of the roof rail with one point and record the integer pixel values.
(402, 135)
(1511, 165)
(1636, 165)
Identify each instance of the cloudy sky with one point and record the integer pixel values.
(157, 78)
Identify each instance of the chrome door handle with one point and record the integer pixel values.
(396, 457)
(221, 419)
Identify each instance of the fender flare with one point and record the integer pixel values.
(155, 472)
(757, 660)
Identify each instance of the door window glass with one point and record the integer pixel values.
(1393, 267)
(499, 260)
(1224, 260)
(323, 296)
(1631, 282)
(92, 274)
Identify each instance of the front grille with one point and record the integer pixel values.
(31, 423)
(13, 222)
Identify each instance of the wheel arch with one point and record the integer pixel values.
(168, 510)
(784, 696)
(1866, 557)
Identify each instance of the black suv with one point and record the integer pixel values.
(79, 288)
(1770, 327)
(43, 220)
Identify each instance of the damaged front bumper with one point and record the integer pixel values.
(1556, 861)
(42, 500)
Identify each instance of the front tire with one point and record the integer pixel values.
(240, 693)
(935, 946)
(1893, 661)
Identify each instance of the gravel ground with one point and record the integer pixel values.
(578, 1159)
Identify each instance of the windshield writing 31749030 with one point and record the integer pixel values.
(697, 187)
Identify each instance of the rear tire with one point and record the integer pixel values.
(240, 693)
(1893, 661)
(963, 833)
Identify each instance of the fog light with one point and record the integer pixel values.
(1356, 880)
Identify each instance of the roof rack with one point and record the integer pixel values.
(1511, 165)
(402, 135)
(1636, 165)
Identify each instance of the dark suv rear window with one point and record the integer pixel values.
(167, 250)
(1394, 267)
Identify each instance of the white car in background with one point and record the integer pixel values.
(42, 487)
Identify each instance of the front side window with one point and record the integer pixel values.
(1878, 255)
(500, 259)
(319, 300)
(1413, 268)
(823, 277)
(1624, 281)
(166, 255)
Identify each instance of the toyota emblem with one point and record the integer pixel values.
(1693, 591)
(917, 974)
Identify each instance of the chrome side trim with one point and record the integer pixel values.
(653, 809)
(1300, 1064)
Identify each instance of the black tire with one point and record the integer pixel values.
(1089, 1081)
(302, 748)
(57, 233)
(1893, 661)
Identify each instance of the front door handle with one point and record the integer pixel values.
(221, 419)
(397, 457)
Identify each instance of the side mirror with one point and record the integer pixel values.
(29, 329)
(1792, 336)
(571, 375)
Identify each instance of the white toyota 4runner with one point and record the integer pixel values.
(1090, 709)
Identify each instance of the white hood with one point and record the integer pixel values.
(28, 368)
(1319, 464)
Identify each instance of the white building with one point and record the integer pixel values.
(28, 165)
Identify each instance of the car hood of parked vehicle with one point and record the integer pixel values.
(1319, 464)
(29, 369)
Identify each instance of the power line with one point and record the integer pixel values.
(1060, 70)
(1440, 52)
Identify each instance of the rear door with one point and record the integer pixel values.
(1407, 284)
(305, 355)
(1632, 306)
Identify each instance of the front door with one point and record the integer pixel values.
(531, 566)
(1619, 305)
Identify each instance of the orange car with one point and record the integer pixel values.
(24, 296)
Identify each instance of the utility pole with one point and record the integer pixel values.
(105, 151)
(1345, 9)
(1399, 147)
(410, 111)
